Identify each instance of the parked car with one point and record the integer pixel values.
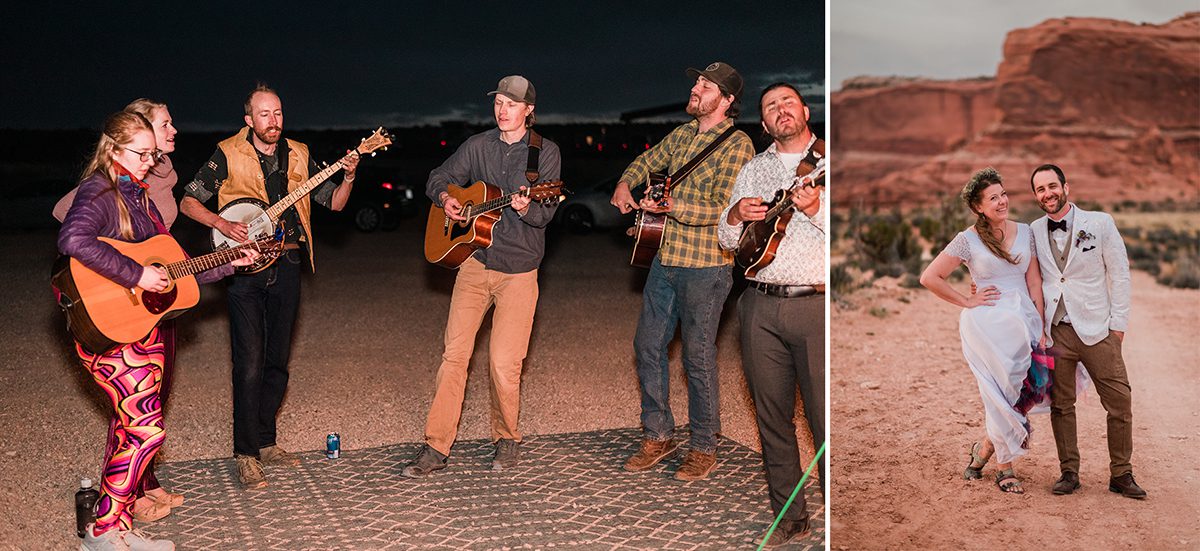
(379, 202)
(590, 208)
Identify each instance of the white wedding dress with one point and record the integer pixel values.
(998, 340)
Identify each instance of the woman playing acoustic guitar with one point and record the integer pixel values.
(112, 202)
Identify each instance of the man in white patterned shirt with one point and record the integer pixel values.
(782, 312)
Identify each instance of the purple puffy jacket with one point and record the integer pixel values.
(94, 214)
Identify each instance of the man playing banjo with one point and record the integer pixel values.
(256, 163)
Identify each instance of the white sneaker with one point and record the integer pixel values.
(139, 541)
(108, 541)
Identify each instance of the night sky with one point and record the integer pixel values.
(365, 64)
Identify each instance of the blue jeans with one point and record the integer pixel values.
(692, 298)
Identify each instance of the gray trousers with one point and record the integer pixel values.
(783, 346)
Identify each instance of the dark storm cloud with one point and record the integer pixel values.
(361, 64)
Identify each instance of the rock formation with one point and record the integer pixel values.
(1116, 104)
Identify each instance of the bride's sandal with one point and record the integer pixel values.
(975, 467)
(1007, 481)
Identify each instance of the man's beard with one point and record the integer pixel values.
(1058, 205)
(702, 109)
(262, 136)
(788, 135)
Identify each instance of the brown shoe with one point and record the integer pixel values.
(1126, 486)
(786, 532)
(277, 456)
(650, 454)
(162, 495)
(696, 466)
(146, 509)
(250, 472)
(1066, 484)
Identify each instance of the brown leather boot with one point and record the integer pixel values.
(696, 466)
(650, 454)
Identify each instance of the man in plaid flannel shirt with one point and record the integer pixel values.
(691, 276)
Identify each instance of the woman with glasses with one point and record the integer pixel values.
(153, 502)
(112, 201)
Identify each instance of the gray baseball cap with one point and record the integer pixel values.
(725, 76)
(517, 88)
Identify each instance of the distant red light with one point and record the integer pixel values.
(386, 185)
(443, 143)
(599, 147)
(624, 146)
(647, 146)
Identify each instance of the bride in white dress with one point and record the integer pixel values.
(1000, 325)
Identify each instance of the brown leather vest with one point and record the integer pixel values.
(246, 179)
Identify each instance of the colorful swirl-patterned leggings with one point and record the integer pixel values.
(131, 377)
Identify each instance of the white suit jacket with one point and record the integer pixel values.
(1095, 280)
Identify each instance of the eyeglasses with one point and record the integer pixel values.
(144, 156)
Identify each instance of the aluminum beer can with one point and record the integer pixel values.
(333, 446)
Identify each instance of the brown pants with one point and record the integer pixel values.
(1104, 364)
(475, 291)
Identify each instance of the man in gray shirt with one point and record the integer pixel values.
(505, 274)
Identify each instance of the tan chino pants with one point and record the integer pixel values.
(475, 291)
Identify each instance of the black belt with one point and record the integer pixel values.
(788, 291)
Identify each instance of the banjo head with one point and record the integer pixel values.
(251, 212)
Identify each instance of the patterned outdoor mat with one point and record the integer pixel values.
(569, 492)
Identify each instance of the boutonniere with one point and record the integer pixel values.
(1081, 237)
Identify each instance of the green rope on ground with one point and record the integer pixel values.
(799, 485)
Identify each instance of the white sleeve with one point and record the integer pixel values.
(959, 247)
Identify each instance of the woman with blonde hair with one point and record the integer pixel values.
(153, 501)
(112, 201)
(1000, 325)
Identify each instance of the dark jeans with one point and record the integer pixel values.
(262, 311)
(783, 346)
(691, 298)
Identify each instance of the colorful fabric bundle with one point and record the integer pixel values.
(1036, 390)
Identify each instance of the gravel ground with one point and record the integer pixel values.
(365, 352)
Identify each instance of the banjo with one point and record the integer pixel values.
(261, 220)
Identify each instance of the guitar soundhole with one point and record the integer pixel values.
(157, 303)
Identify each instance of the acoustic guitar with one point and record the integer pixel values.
(261, 220)
(449, 243)
(102, 314)
(760, 239)
(649, 226)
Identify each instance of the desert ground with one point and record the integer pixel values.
(905, 408)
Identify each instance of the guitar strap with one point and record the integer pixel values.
(535, 147)
(699, 158)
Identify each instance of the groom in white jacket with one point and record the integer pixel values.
(1085, 282)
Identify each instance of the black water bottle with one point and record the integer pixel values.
(85, 505)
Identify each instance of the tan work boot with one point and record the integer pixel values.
(696, 466)
(277, 456)
(250, 472)
(650, 454)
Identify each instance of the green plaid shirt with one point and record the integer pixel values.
(690, 236)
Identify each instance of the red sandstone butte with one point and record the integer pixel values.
(1116, 104)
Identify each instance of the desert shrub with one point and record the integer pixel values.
(1185, 274)
(840, 280)
(910, 281)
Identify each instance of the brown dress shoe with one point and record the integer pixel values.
(696, 466)
(1066, 484)
(1126, 486)
(650, 454)
(786, 532)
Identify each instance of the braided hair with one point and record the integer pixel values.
(972, 195)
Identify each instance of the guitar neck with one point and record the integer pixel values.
(489, 206)
(209, 261)
(274, 211)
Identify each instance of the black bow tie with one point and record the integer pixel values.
(1060, 225)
